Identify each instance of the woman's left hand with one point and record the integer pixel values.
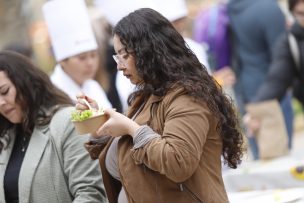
(117, 125)
(252, 124)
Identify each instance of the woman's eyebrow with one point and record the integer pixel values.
(120, 50)
(2, 86)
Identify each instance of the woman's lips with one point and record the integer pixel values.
(8, 111)
(127, 76)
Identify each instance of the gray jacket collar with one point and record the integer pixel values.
(38, 142)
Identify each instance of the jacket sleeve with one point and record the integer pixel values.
(94, 146)
(177, 153)
(280, 75)
(83, 174)
(273, 22)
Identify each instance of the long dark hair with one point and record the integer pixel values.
(163, 59)
(36, 94)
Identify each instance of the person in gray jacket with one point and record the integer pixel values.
(42, 158)
(285, 71)
(255, 27)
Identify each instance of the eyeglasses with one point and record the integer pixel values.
(120, 59)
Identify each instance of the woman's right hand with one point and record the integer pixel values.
(81, 105)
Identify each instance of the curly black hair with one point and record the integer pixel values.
(163, 59)
(36, 94)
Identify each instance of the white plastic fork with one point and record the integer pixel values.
(87, 103)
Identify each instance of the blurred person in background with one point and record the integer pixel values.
(42, 158)
(212, 27)
(20, 48)
(255, 26)
(285, 71)
(75, 49)
(179, 124)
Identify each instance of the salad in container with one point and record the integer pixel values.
(88, 121)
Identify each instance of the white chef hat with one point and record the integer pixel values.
(69, 27)
(115, 10)
(172, 9)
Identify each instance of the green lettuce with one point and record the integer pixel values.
(81, 115)
(78, 115)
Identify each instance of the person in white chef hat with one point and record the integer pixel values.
(75, 49)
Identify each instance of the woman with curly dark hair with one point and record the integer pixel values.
(42, 159)
(179, 124)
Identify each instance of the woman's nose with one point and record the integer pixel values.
(120, 67)
(2, 101)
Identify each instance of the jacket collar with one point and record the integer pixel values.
(35, 150)
(31, 160)
(64, 82)
(155, 98)
(297, 30)
(174, 90)
(4, 158)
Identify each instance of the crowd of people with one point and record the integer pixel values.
(172, 121)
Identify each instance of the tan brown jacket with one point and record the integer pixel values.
(182, 166)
